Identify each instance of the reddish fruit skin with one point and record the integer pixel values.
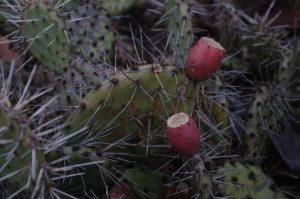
(121, 191)
(185, 139)
(204, 59)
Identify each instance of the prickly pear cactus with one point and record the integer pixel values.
(146, 183)
(99, 118)
(116, 7)
(43, 31)
(31, 168)
(219, 104)
(255, 134)
(179, 26)
(152, 93)
(79, 79)
(202, 183)
(246, 181)
(35, 158)
(287, 70)
(90, 32)
(21, 158)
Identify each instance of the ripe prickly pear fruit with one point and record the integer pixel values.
(204, 59)
(183, 134)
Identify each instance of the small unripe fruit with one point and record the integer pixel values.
(121, 191)
(183, 134)
(204, 59)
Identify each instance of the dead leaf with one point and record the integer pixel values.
(288, 146)
(7, 54)
(288, 16)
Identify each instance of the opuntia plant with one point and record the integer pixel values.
(137, 99)
(44, 33)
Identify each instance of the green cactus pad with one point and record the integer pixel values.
(255, 136)
(219, 105)
(262, 44)
(146, 184)
(44, 32)
(15, 138)
(202, 181)
(245, 181)
(287, 70)
(90, 32)
(129, 100)
(28, 166)
(115, 7)
(79, 79)
(179, 25)
(94, 176)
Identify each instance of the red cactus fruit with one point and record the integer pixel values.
(204, 59)
(121, 191)
(183, 134)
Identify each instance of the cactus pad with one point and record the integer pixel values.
(245, 181)
(146, 183)
(179, 25)
(131, 98)
(90, 32)
(255, 134)
(115, 7)
(43, 30)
